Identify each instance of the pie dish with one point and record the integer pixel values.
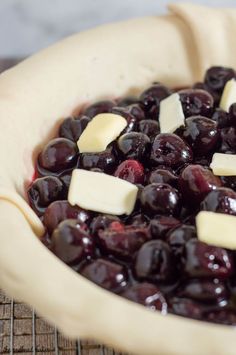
(56, 83)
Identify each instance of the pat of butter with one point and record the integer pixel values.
(102, 193)
(101, 131)
(171, 114)
(223, 164)
(229, 95)
(216, 229)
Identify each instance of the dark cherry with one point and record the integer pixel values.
(170, 150)
(72, 128)
(154, 262)
(138, 219)
(203, 260)
(178, 237)
(59, 154)
(148, 295)
(126, 101)
(150, 128)
(71, 242)
(58, 211)
(204, 290)
(105, 161)
(196, 182)
(133, 145)
(130, 170)
(160, 225)
(232, 114)
(106, 274)
(196, 102)
(132, 113)
(102, 222)
(160, 199)
(186, 307)
(222, 316)
(163, 176)
(122, 241)
(201, 133)
(222, 118)
(151, 98)
(228, 140)
(216, 78)
(43, 191)
(99, 107)
(220, 200)
(229, 181)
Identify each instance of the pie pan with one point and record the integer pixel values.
(111, 61)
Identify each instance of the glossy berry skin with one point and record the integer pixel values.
(201, 133)
(203, 260)
(220, 200)
(224, 316)
(216, 78)
(163, 176)
(148, 295)
(43, 191)
(178, 237)
(186, 307)
(206, 291)
(130, 170)
(196, 182)
(151, 98)
(139, 219)
(161, 225)
(133, 145)
(122, 241)
(232, 114)
(132, 113)
(58, 211)
(58, 155)
(154, 262)
(71, 242)
(105, 161)
(102, 222)
(228, 140)
(72, 128)
(196, 102)
(104, 106)
(150, 128)
(221, 118)
(106, 274)
(229, 181)
(160, 199)
(170, 150)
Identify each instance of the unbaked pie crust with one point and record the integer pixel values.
(109, 61)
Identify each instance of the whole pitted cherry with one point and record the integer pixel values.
(170, 150)
(154, 262)
(105, 161)
(160, 199)
(232, 114)
(126, 101)
(178, 237)
(150, 128)
(72, 128)
(201, 133)
(161, 176)
(160, 225)
(43, 191)
(71, 242)
(133, 145)
(58, 211)
(148, 295)
(228, 140)
(106, 274)
(222, 118)
(104, 106)
(59, 154)
(186, 307)
(122, 241)
(203, 260)
(130, 170)
(196, 182)
(151, 98)
(220, 200)
(132, 113)
(216, 78)
(196, 102)
(222, 316)
(102, 222)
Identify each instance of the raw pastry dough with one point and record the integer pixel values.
(175, 49)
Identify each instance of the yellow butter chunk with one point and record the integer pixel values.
(101, 131)
(224, 164)
(216, 229)
(229, 95)
(171, 114)
(101, 193)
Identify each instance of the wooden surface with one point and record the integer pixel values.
(23, 332)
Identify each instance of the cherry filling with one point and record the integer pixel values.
(152, 256)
